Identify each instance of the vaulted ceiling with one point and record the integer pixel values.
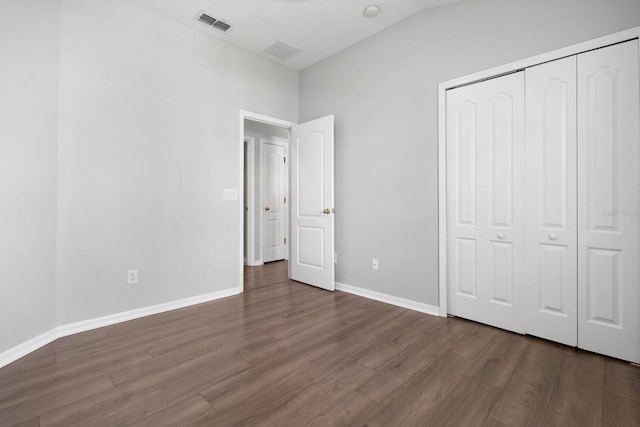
(319, 28)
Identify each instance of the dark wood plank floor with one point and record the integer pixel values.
(287, 354)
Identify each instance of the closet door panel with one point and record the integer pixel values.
(551, 257)
(504, 169)
(554, 292)
(609, 201)
(466, 272)
(603, 274)
(464, 248)
(501, 278)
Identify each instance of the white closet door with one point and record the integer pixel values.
(609, 201)
(485, 201)
(464, 204)
(551, 307)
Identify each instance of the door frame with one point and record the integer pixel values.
(248, 115)
(249, 240)
(633, 33)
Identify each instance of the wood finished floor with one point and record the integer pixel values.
(287, 354)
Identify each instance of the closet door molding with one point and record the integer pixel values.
(576, 49)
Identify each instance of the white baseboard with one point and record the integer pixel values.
(112, 319)
(21, 350)
(390, 299)
(33, 344)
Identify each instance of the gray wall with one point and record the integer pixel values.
(119, 129)
(383, 93)
(28, 167)
(149, 138)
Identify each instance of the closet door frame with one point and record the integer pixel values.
(633, 33)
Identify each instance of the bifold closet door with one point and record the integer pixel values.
(485, 201)
(609, 201)
(551, 258)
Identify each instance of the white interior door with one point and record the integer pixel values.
(485, 201)
(551, 279)
(609, 201)
(311, 257)
(274, 191)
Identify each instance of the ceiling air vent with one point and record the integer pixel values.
(214, 22)
(282, 50)
(222, 26)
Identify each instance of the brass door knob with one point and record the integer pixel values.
(326, 211)
(267, 208)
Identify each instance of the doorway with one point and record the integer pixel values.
(266, 193)
(257, 130)
(311, 248)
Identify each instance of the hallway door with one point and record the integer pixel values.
(274, 190)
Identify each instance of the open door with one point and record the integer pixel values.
(311, 258)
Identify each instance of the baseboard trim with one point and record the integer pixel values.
(389, 299)
(35, 343)
(21, 350)
(112, 319)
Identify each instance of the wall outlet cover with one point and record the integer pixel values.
(132, 277)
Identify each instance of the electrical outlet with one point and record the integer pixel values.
(132, 277)
(374, 264)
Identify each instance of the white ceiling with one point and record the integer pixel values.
(319, 28)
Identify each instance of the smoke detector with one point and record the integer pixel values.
(371, 11)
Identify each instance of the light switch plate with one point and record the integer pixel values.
(229, 194)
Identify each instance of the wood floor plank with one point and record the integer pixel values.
(468, 405)
(353, 410)
(32, 361)
(387, 342)
(413, 404)
(302, 396)
(305, 363)
(51, 395)
(620, 411)
(31, 422)
(396, 373)
(146, 335)
(391, 329)
(578, 397)
(41, 377)
(78, 340)
(498, 362)
(525, 398)
(176, 414)
(492, 422)
(622, 379)
(133, 400)
(475, 341)
(319, 397)
(202, 353)
(262, 404)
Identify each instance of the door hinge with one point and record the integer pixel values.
(285, 159)
(285, 200)
(285, 240)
